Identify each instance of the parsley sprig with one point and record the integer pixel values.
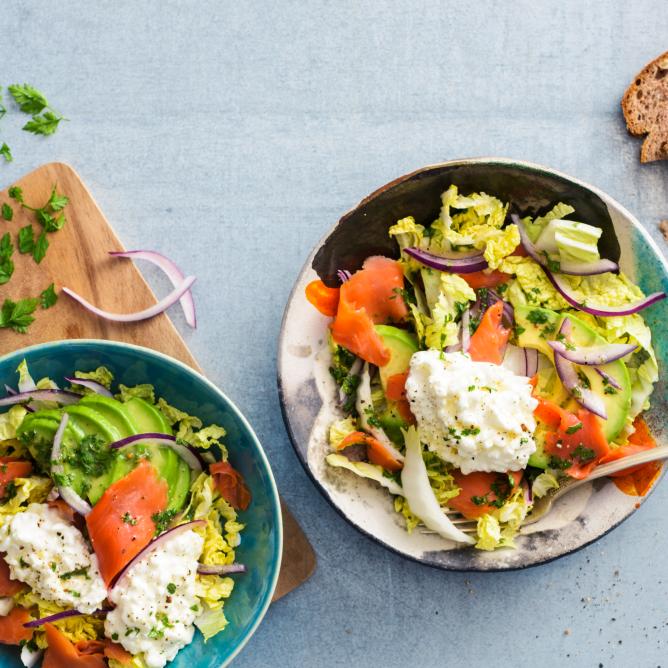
(45, 119)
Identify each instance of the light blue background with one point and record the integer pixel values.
(232, 135)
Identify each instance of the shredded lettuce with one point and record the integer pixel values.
(365, 470)
(211, 622)
(189, 428)
(531, 285)
(339, 429)
(535, 227)
(498, 529)
(10, 421)
(570, 240)
(84, 627)
(543, 484)
(137, 661)
(26, 382)
(143, 391)
(100, 375)
(26, 491)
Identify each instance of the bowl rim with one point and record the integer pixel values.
(262, 610)
(484, 160)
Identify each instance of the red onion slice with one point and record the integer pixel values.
(227, 569)
(466, 331)
(343, 275)
(515, 360)
(98, 388)
(531, 361)
(189, 455)
(71, 498)
(61, 615)
(156, 542)
(626, 309)
(457, 265)
(600, 266)
(173, 273)
(569, 377)
(608, 378)
(59, 396)
(147, 313)
(593, 355)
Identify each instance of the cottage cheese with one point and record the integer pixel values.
(155, 601)
(476, 415)
(52, 557)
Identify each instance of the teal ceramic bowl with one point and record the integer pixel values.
(261, 545)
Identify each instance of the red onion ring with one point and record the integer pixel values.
(572, 268)
(156, 542)
(343, 275)
(569, 377)
(147, 313)
(457, 265)
(173, 273)
(607, 377)
(98, 388)
(531, 361)
(61, 615)
(227, 569)
(71, 498)
(626, 309)
(593, 355)
(515, 360)
(187, 453)
(466, 331)
(59, 396)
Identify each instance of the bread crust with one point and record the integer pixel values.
(645, 107)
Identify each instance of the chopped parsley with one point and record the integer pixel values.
(162, 520)
(572, 429)
(10, 492)
(128, 519)
(558, 463)
(92, 455)
(471, 431)
(583, 453)
(171, 588)
(609, 389)
(471, 388)
(537, 317)
(584, 379)
(78, 572)
(156, 634)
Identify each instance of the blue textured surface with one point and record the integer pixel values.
(188, 391)
(231, 135)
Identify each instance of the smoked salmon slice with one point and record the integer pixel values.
(372, 296)
(121, 523)
(12, 631)
(61, 653)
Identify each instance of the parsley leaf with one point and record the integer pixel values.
(57, 202)
(576, 427)
(16, 194)
(6, 263)
(26, 239)
(5, 151)
(584, 454)
(17, 315)
(41, 245)
(162, 520)
(46, 124)
(7, 211)
(48, 297)
(29, 99)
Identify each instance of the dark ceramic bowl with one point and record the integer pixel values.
(308, 394)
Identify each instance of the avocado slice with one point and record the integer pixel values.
(112, 411)
(169, 465)
(392, 423)
(402, 346)
(539, 325)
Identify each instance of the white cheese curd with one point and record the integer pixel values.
(52, 557)
(6, 605)
(476, 415)
(155, 601)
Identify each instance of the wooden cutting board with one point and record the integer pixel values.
(77, 258)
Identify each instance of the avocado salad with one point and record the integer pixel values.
(497, 358)
(118, 523)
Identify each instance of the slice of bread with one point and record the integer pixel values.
(645, 107)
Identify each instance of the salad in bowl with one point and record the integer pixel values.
(499, 356)
(120, 515)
